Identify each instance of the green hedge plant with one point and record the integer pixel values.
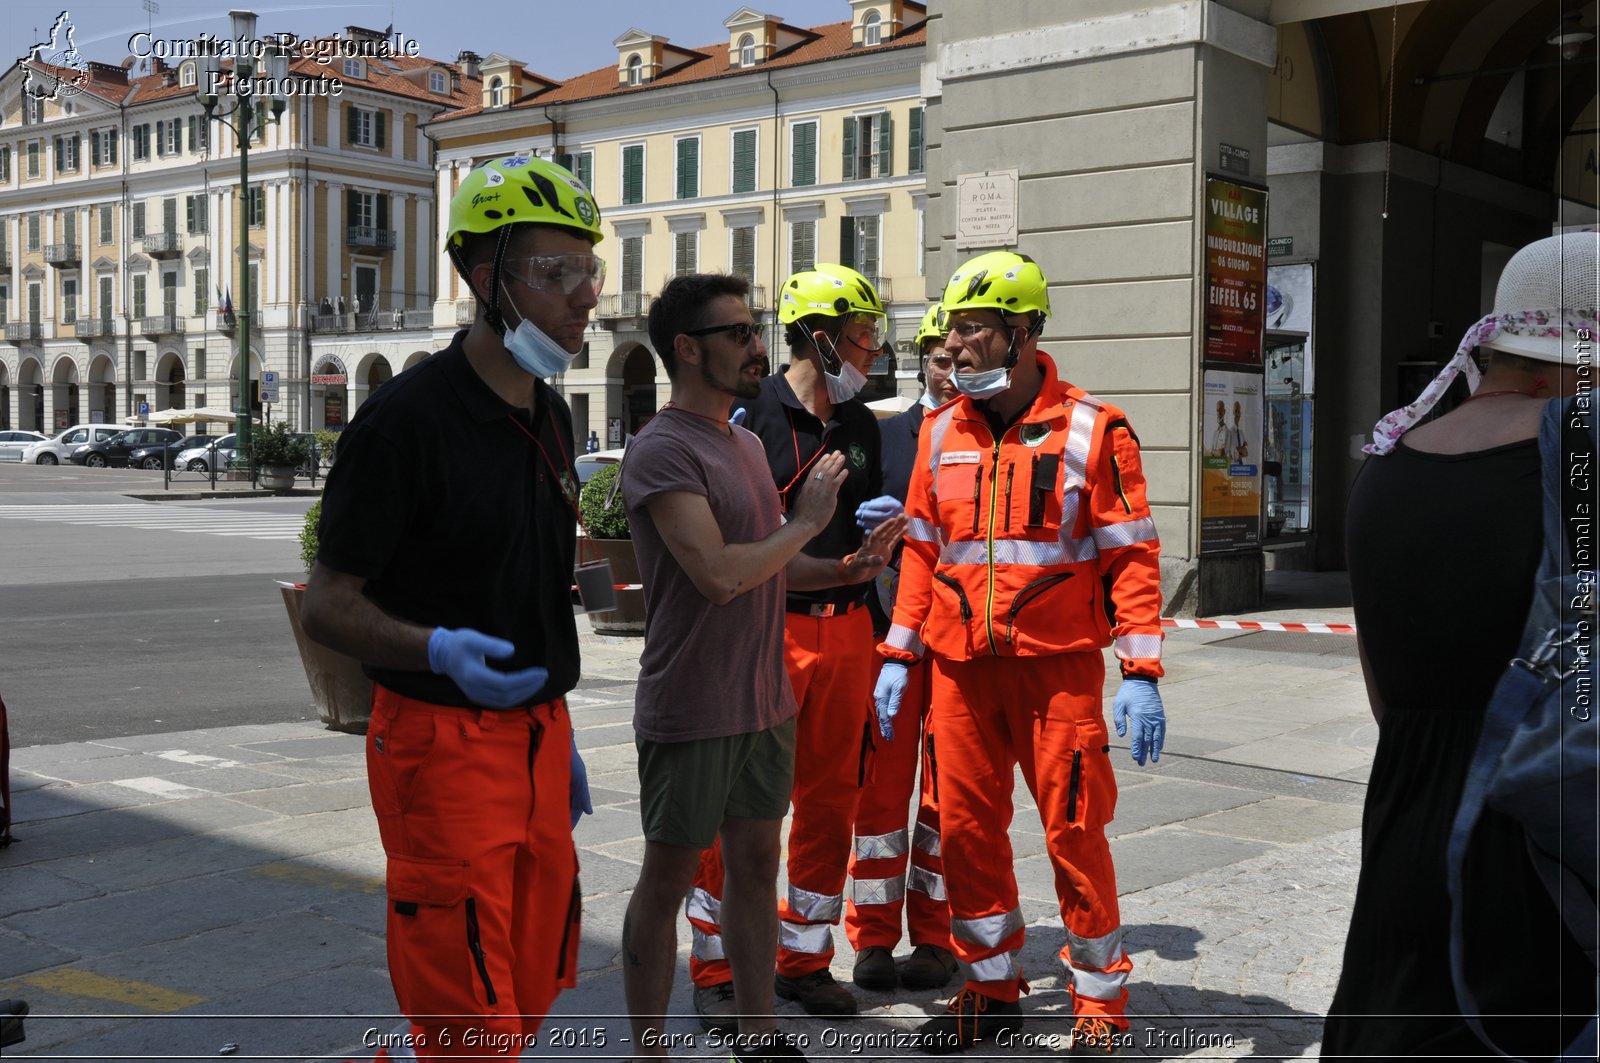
(276, 445)
(600, 520)
(308, 536)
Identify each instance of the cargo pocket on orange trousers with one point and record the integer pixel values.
(433, 927)
(1091, 783)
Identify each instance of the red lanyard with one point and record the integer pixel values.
(563, 479)
(794, 434)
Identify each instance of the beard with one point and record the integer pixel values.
(743, 387)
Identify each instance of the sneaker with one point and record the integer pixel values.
(714, 1004)
(775, 1045)
(817, 992)
(1092, 1033)
(875, 969)
(928, 967)
(970, 1019)
(12, 1012)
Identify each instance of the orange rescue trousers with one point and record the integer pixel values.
(880, 887)
(831, 662)
(482, 878)
(989, 715)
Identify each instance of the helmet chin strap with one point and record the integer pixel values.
(491, 305)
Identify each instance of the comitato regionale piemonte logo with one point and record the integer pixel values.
(54, 67)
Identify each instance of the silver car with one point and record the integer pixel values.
(222, 451)
(57, 449)
(13, 443)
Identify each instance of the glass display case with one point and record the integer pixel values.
(1286, 454)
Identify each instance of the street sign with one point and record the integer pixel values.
(144, 409)
(269, 386)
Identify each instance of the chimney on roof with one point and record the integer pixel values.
(455, 82)
(468, 62)
(107, 72)
(361, 33)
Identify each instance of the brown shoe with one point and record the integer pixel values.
(1092, 1034)
(970, 1019)
(928, 967)
(817, 992)
(714, 1004)
(875, 969)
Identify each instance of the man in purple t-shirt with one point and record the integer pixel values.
(714, 714)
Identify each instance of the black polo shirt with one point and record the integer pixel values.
(457, 518)
(794, 439)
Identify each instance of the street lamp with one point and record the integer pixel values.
(248, 118)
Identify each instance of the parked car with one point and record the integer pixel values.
(589, 464)
(59, 448)
(222, 450)
(151, 457)
(115, 451)
(13, 443)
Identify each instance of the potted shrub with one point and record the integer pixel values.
(340, 691)
(276, 452)
(606, 524)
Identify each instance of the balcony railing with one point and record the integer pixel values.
(161, 325)
(624, 305)
(228, 324)
(161, 245)
(884, 286)
(466, 311)
(24, 331)
(62, 254)
(383, 319)
(367, 236)
(88, 328)
(757, 298)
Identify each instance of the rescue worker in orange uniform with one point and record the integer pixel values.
(834, 328)
(1031, 548)
(881, 884)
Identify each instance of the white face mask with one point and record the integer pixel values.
(982, 385)
(536, 352)
(929, 401)
(842, 386)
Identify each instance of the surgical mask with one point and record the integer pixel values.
(929, 401)
(982, 385)
(841, 386)
(536, 352)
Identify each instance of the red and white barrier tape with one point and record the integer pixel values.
(1260, 625)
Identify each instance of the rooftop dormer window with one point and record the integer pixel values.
(635, 69)
(497, 92)
(186, 74)
(872, 28)
(438, 82)
(747, 50)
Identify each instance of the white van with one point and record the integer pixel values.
(57, 449)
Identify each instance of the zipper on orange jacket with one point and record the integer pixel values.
(994, 499)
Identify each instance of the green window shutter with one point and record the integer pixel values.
(633, 174)
(885, 145)
(189, 209)
(564, 160)
(352, 208)
(378, 124)
(94, 147)
(847, 242)
(803, 154)
(914, 141)
(688, 168)
(849, 149)
(802, 245)
(744, 160)
(351, 122)
(585, 170)
(383, 212)
(194, 135)
(111, 146)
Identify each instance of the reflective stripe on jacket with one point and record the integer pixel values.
(1015, 544)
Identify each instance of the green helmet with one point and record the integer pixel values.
(828, 289)
(999, 280)
(935, 325)
(518, 189)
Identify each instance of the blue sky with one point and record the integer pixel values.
(553, 39)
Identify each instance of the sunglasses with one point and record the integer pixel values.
(743, 331)
(558, 273)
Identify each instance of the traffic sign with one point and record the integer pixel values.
(144, 409)
(269, 386)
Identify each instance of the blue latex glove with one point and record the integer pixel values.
(887, 694)
(1139, 702)
(578, 789)
(873, 513)
(739, 416)
(461, 654)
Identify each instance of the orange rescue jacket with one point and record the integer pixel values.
(1017, 545)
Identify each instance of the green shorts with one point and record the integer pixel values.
(686, 789)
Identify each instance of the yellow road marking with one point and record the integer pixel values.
(116, 990)
(322, 878)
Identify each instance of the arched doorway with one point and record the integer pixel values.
(372, 372)
(414, 358)
(255, 383)
(30, 395)
(64, 394)
(639, 388)
(171, 382)
(330, 406)
(102, 390)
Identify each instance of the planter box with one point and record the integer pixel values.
(628, 617)
(340, 692)
(277, 478)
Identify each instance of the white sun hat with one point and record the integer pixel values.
(1557, 279)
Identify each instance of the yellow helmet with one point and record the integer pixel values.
(516, 189)
(999, 280)
(828, 289)
(935, 325)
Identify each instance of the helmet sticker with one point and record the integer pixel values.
(492, 177)
(514, 161)
(586, 211)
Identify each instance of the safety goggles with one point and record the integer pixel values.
(743, 332)
(864, 330)
(558, 273)
(941, 362)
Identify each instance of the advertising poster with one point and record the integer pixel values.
(1291, 297)
(1236, 271)
(1230, 462)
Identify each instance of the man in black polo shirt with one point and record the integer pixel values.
(446, 543)
(834, 329)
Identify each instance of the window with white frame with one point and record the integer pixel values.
(688, 167)
(355, 68)
(438, 82)
(747, 50)
(872, 28)
(67, 154)
(103, 216)
(497, 92)
(169, 137)
(32, 109)
(186, 74)
(365, 128)
(685, 253)
(33, 158)
(802, 245)
(33, 231)
(859, 243)
(103, 146)
(257, 207)
(5, 163)
(635, 69)
(868, 146)
(35, 302)
(140, 135)
(197, 209)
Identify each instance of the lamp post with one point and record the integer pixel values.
(248, 118)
